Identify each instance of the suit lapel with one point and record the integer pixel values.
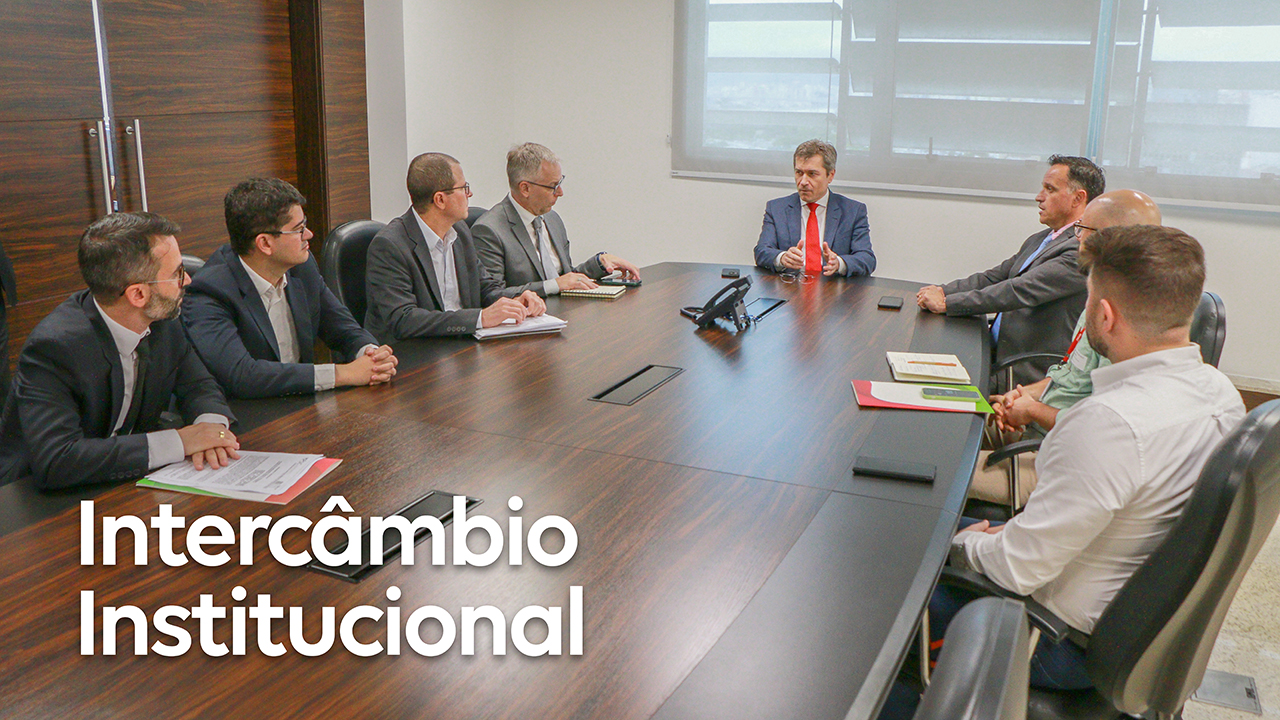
(252, 300)
(110, 353)
(793, 219)
(464, 264)
(560, 243)
(522, 235)
(301, 311)
(832, 221)
(1050, 250)
(421, 252)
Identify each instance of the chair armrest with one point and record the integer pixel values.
(1014, 448)
(1051, 626)
(1023, 357)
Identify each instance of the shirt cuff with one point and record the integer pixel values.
(164, 447)
(777, 261)
(326, 376)
(550, 287)
(844, 268)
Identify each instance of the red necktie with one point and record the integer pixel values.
(812, 244)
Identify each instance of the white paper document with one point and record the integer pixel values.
(255, 472)
(927, 367)
(530, 326)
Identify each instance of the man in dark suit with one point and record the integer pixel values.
(256, 308)
(523, 241)
(422, 278)
(95, 375)
(789, 240)
(1039, 292)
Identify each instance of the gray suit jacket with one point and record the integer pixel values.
(405, 300)
(508, 253)
(1040, 304)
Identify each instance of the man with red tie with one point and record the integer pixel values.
(815, 231)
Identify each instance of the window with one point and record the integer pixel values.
(1179, 98)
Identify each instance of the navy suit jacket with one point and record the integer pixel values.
(69, 390)
(404, 298)
(229, 327)
(847, 232)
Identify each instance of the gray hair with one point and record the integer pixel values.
(524, 161)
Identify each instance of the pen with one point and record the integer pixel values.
(922, 362)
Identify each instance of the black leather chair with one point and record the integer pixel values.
(1148, 651)
(191, 263)
(1209, 327)
(343, 262)
(983, 669)
(473, 214)
(1208, 330)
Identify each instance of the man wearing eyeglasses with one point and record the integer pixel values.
(255, 310)
(95, 375)
(1039, 292)
(1034, 408)
(423, 278)
(523, 241)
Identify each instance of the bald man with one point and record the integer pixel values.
(1033, 409)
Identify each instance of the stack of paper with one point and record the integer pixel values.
(927, 367)
(261, 476)
(531, 326)
(604, 292)
(909, 396)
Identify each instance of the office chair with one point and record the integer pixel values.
(983, 669)
(1208, 330)
(343, 262)
(1148, 651)
(191, 263)
(473, 214)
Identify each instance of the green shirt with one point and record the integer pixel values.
(1070, 382)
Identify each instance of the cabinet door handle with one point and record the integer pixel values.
(136, 131)
(101, 133)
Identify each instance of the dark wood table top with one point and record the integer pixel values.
(731, 564)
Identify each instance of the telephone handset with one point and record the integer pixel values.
(728, 302)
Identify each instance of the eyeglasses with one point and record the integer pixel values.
(552, 188)
(302, 229)
(179, 276)
(1081, 226)
(465, 187)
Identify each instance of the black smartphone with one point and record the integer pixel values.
(889, 302)
(938, 393)
(729, 273)
(618, 281)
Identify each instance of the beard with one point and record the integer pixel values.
(159, 307)
(1095, 336)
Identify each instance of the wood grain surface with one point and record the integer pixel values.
(730, 568)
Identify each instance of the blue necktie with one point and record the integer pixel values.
(995, 327)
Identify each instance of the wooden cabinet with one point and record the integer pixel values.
(220, 91)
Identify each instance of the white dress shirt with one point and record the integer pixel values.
(1115, 472)
(551, 265)
(443, 264)
(285, 330)
(163, 446)
(821, 211)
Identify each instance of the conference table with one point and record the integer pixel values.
(731, 563)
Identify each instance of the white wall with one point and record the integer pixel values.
(593, 81)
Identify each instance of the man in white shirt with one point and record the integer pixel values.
(1117, 467)
(523, 242)
(257, 307)
(423, 278)
(95, 375)
(815, 231)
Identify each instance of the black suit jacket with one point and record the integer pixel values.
(405, 300)
(228, 325)
(68, 393)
